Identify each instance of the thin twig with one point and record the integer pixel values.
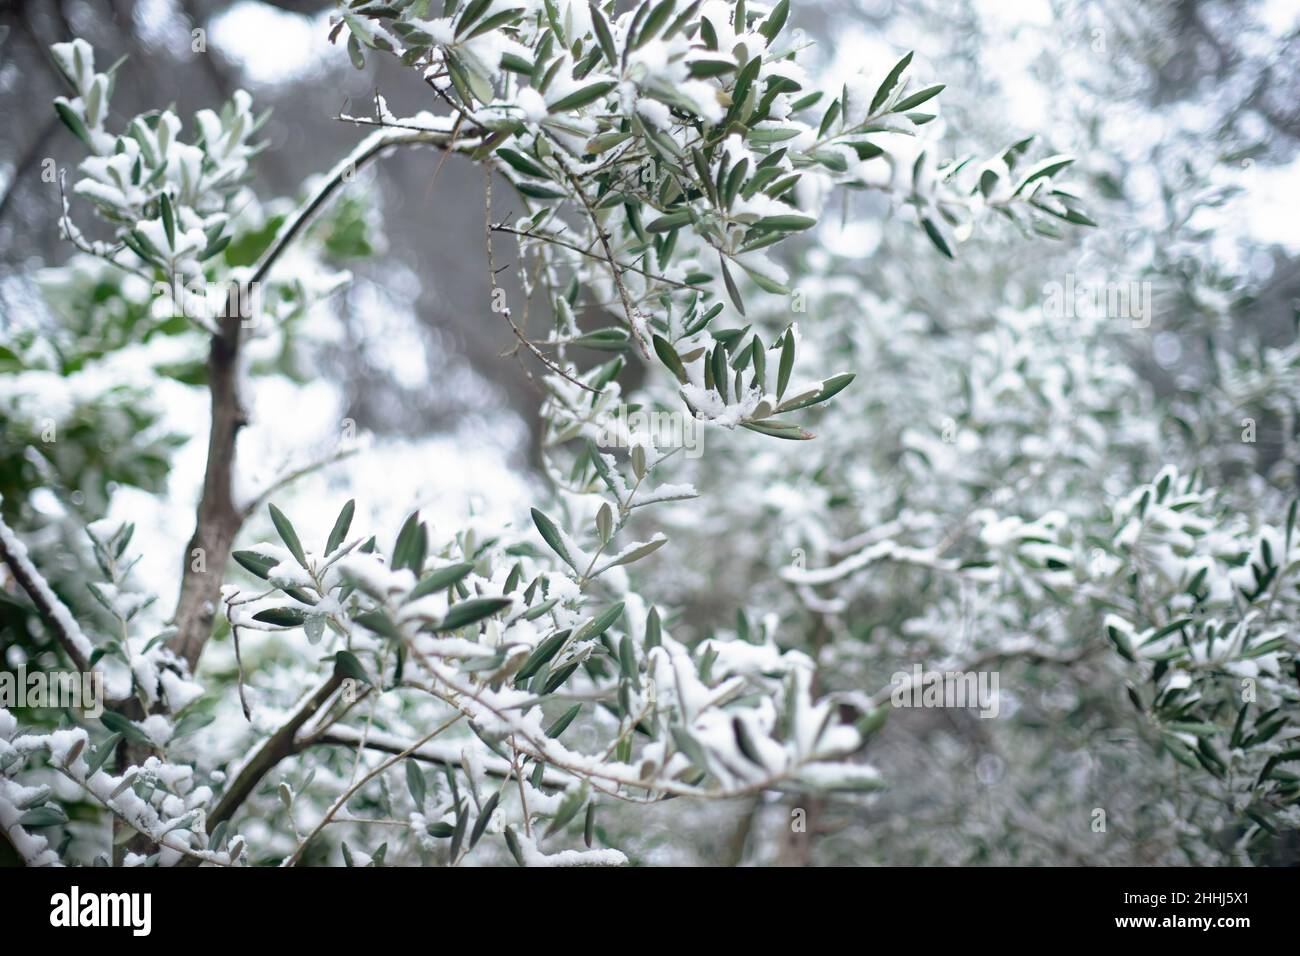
(556, 240)
(519, 779)
(628, 308)
(347, 794)
(492, 279)
(290, 477)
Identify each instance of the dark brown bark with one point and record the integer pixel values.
(275, 748)
(218, 518)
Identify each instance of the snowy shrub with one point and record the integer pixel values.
(330, 689)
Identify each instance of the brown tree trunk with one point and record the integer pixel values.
(218, 519)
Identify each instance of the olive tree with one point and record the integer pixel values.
(486, 690)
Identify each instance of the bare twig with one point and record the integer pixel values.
(516, 763)
(290, 477)
(492, 278)
(347, 794)
(626, 267)
(629, 309)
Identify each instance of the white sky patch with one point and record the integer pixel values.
(1264, 212)
(999, 14)
(1272, 204)
(1009, 56)
(272, 46)
(856, 52)
(855, 238)
(161, 26)
(1279, 16)
(395, 340)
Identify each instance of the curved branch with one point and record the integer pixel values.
(442, 755)
(275, 748)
